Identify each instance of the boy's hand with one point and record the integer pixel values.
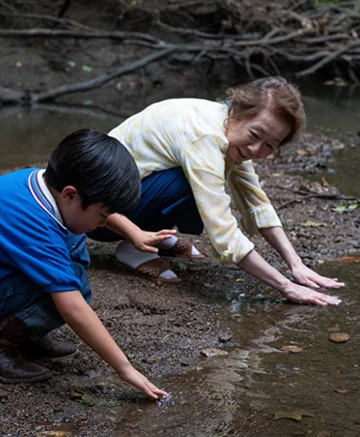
(305, 276)
(145, 241)
(134, 377)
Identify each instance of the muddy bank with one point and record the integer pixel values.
(163, 328)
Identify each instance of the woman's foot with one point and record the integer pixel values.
(145, 264)
(177, 247)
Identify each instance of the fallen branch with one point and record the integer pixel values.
(59, 33)
(65, 21)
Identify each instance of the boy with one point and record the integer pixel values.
(43, 256)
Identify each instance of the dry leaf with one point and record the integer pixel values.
(55, 434)
(348, 259)
(312, 224)
(293, 415)
(302, 152)
(292, 349)
(342, 391)
(339, 337)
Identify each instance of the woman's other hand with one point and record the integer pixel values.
(300, 294)
(305, 276)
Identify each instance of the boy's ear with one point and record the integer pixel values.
(69, 193)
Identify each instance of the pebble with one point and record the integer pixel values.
(339, 337)
(212, 352)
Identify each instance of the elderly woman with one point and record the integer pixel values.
(186, 150)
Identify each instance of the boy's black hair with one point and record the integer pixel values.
(99, 167)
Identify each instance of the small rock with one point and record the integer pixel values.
(339, 337)
(292, 349)
(152, 359)
(3, 394)
(224, 337)
(212, 352)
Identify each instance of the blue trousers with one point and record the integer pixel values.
(166, 201)
(20, 297)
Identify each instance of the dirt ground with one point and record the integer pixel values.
(161, 328)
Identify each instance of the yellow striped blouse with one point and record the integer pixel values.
(191, 133)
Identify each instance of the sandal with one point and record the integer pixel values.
(152, 269)
(181, 249)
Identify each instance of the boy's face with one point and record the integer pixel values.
(77, 219)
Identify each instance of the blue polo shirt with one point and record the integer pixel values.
(33, 239)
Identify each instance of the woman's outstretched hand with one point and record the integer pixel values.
(307, 277)
(300, 294)
(134, 377)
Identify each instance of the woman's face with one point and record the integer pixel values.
(256, 137)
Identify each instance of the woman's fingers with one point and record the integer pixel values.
(311, 284)
(307, 282)
(317, 281)
(306, 295)
(333, 283)
(330, 283)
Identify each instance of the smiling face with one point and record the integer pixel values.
(256, 137)
(77, 219)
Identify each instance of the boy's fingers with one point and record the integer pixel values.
(153, 391)
(162, 237)
(150, 393)
(167, 231)
(160, 392)
(150, 249)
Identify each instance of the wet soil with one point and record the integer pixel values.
(163, 328)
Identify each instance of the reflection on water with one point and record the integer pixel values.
(337, 109)
(332, 108)
(28, 136)
(239, 394)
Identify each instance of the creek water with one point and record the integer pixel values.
(238, 395)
